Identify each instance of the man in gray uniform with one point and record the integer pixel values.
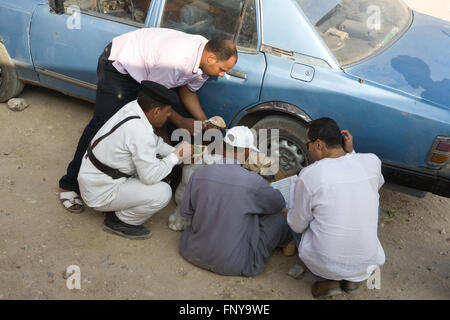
(236, 214)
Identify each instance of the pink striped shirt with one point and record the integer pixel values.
(169, 57)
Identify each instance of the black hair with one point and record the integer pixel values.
(327, 130)
(146, 102)
(223, 48)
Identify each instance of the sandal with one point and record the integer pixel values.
(70, 199)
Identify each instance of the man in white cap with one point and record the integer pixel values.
(236, 214)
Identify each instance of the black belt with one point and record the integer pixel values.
(113, 173)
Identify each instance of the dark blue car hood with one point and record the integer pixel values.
(418, 63)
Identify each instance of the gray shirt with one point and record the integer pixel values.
(224, 202)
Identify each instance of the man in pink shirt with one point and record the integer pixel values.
(174, 59)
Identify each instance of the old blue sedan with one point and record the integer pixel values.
(378, 68)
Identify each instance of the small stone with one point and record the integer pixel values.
(429, 268)
(17, 104)
(442, 231)
(26, 275)
(50, 274)
(396, 275)
(296, 271)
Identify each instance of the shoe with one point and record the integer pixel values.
(290, 249)
(113, 225)
(349, 286)
(326, 288)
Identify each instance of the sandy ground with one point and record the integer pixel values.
(39, 239)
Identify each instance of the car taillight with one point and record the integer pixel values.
(443, 146)
(440, 151)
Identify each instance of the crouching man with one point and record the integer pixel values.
(336, 210)
(236, 214)
(123, 167)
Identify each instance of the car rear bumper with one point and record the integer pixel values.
(434, 181)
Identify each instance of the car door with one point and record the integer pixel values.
(240, 87)
(65, 47)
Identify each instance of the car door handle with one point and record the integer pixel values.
(237, 74)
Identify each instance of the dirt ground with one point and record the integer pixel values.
(39, 239)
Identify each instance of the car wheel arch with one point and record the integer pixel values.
(259, 111)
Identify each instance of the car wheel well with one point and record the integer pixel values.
(251, 119)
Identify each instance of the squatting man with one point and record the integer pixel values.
(122, 171)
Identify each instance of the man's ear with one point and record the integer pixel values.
(211, 58)
(155, 111)
(321, 145)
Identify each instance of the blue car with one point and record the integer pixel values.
(378, 68)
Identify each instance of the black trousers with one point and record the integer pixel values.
(114, 90)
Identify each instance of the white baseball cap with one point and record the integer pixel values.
(240, 137)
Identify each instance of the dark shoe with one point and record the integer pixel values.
(326, 288)
(349, 286)
(113, 225)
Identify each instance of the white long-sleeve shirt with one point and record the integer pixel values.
(336, 209)
(132, 149)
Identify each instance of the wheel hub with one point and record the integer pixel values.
(291, 157)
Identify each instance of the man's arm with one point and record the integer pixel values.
(191, 102)
(300, 215)
(267, 200)
(348, 141)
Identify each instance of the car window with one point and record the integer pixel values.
(213, 18)
(357, 29)
(130, 10)
(248, 32)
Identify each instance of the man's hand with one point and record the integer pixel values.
(183, 151)
(348, 141)
(208, 125)
(284, 212)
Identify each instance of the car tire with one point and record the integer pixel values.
(10, 84)
(293, 153)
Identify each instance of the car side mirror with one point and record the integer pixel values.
(56, 6)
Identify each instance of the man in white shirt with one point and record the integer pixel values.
(335, 209)
(171, 58)
(122, 170)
